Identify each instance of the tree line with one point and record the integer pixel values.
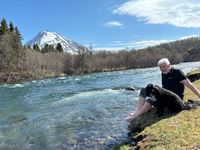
(12, 53)
(14, 57)
(47, 48)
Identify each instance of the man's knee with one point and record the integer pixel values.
(143, 93)
(145, 108)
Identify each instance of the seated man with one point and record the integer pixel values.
(172, 79)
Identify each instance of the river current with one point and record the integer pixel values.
(73, 112)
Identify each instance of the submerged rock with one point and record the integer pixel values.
(18, 118)
(130, 89)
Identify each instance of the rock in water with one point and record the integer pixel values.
(130, 89)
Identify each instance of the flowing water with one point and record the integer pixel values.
(72, 112)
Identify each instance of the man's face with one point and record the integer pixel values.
(165, 68)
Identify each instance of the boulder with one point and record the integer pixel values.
(193, 77)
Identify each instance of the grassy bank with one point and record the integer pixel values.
(176, 132)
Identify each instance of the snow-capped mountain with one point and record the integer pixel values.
(53, 38)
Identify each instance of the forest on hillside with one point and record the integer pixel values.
(20, 59)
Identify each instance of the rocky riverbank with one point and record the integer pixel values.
(194, 75)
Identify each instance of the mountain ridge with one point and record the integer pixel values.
(53, 38)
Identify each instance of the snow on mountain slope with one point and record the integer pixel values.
(53, 38)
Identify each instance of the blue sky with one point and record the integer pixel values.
(109, 24)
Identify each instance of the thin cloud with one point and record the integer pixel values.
(139, 44)
(189, 36)
(180, 13)
(144, 44)
(113, 24)
(112, 49)
(119, 45)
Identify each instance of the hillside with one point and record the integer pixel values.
(192, 55)
(188, 49)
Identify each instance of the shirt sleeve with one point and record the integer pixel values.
(181, 76)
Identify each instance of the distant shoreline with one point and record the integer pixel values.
(16, 77)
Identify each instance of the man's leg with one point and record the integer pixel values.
(139, 106)
(140, 103)
(146, 107)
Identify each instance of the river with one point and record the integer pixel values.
(72, 112)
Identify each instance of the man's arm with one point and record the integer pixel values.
(189, 84)
(146, 107)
